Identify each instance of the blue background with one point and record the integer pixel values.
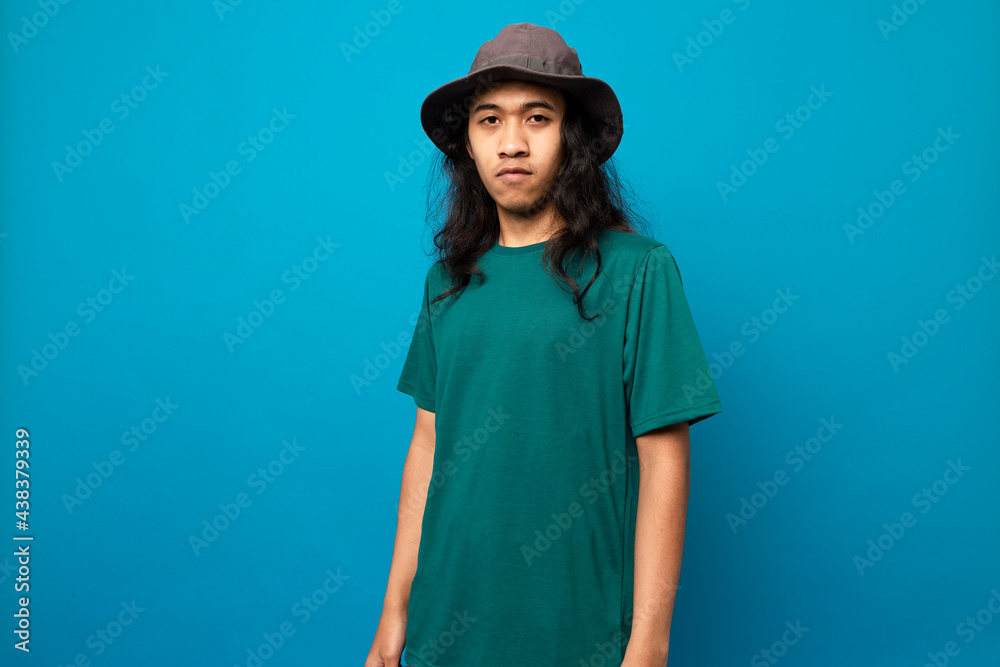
(351, 120)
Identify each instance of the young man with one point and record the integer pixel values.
(556, 369)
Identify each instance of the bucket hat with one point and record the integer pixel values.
(525, 52)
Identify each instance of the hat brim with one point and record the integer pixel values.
(446, 108)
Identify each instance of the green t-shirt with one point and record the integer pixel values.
(527, 541)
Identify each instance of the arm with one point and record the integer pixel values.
(664, 482)
(412, 495)
(387, 646)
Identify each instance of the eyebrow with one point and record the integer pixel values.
(532, 104)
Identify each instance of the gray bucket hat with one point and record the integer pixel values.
(525, 52)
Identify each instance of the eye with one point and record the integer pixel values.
(539, 116)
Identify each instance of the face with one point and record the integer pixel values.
(516, 125)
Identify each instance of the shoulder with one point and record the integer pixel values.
(436, 273)
(438, 281)
(629, 246)
(627, 254)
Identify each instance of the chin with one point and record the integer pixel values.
(519, 205)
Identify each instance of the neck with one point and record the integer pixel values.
(532, 226)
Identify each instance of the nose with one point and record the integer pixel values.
(512, 140)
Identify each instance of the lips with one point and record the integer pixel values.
(513, 174)
(513, 170)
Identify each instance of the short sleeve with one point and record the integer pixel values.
(666, 373)
(420, 367)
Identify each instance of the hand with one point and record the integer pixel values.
(633, 658)
(390, 637)
(635, 663)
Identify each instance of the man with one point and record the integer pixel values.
(556, 369)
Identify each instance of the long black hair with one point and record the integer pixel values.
(588, 196)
